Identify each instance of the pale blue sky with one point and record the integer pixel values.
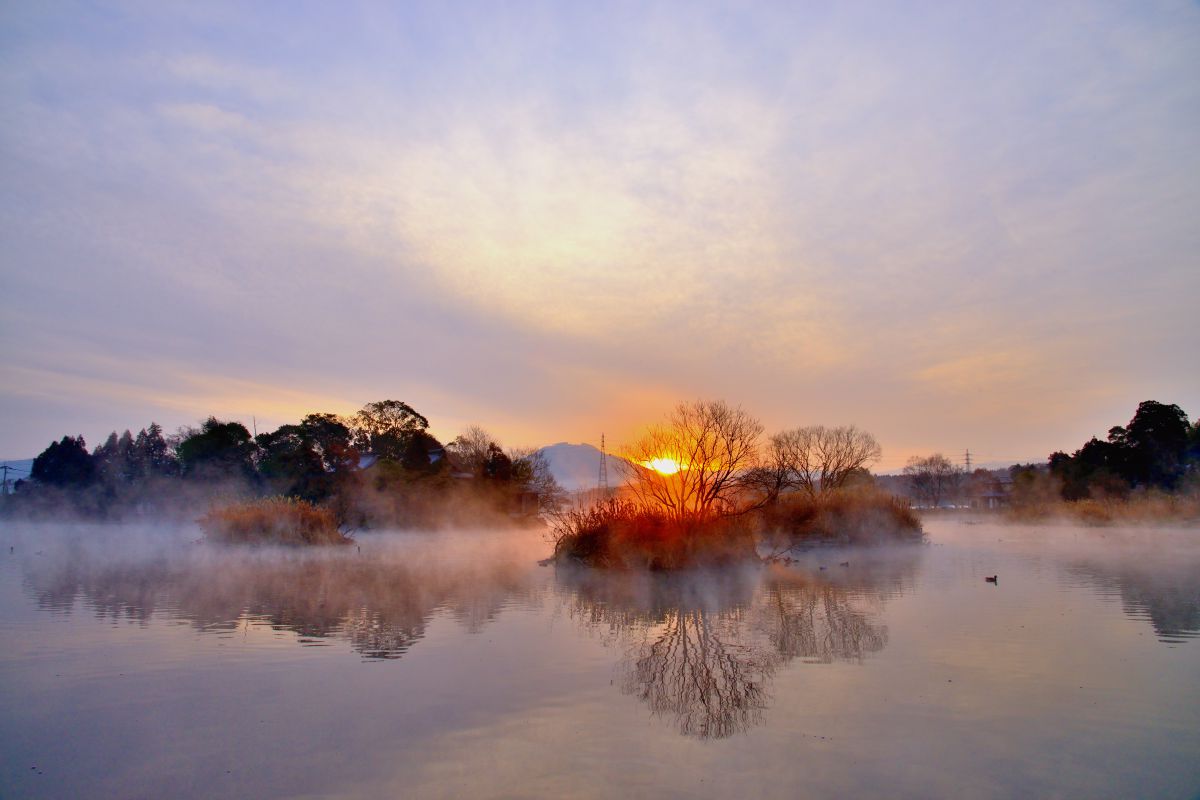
(956, 225)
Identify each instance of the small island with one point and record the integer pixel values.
(701, 489)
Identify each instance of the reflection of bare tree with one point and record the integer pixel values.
(380, 601)
(817, 623)
(702, 648)
(698, 671)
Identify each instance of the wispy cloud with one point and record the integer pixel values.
(946, 225)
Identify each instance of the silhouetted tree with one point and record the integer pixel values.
(389, 429)
(289, 460)
(332, 439)
(1152, 451)
(1153, 447)
(819, 459)
(152, 455)
(1193, 454)
(115, 466)
(1095, 466)
(105, 459)
(499, 466)
(423, 453)
(218, 449)
(471, 449)
(65, 463)
(713, 448)
(531, 471)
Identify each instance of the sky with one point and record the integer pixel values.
(955, 225)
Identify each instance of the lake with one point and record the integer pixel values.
(137, 662)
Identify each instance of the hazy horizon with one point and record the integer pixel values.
(956, 227)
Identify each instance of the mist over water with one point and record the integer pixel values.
(141, 660)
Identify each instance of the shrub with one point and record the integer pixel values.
(274, 520)
(849, 515)
(621, 534)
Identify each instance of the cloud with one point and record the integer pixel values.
(206, 118)
(583, 216)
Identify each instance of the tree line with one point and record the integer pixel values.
(347, 462)
(1158, 450)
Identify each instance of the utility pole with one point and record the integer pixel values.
(6, 468)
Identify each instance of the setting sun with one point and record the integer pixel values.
(664, 465)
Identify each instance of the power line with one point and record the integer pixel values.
(6, 468)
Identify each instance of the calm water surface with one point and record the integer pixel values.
(135, 662)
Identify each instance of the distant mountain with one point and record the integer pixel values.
(577, 466)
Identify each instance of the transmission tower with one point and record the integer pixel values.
(603, 482)
(968, 460)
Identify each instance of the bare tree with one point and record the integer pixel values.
(819, 459)
(695, 466)
(470, 449)
(531, 468)
(932, 478)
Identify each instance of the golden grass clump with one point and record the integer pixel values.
(619, 534)
(273, 520)
(856, 516)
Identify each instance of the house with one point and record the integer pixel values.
(989, 493)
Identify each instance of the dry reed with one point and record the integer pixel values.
(273, 520)
(619, 534)
(856, 516)
(1140, 508)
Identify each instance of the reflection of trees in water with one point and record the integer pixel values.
(381, 602)
(702, 648)
(819, 622)
(1165, 590)
(698, 669)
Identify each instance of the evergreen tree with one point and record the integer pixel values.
(104, 458)
(126, 458)
(66, 464)
(1154, 445)
(498, 467)
(1151, 451)
(218, 449)
(151, 454)
(289, 460)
